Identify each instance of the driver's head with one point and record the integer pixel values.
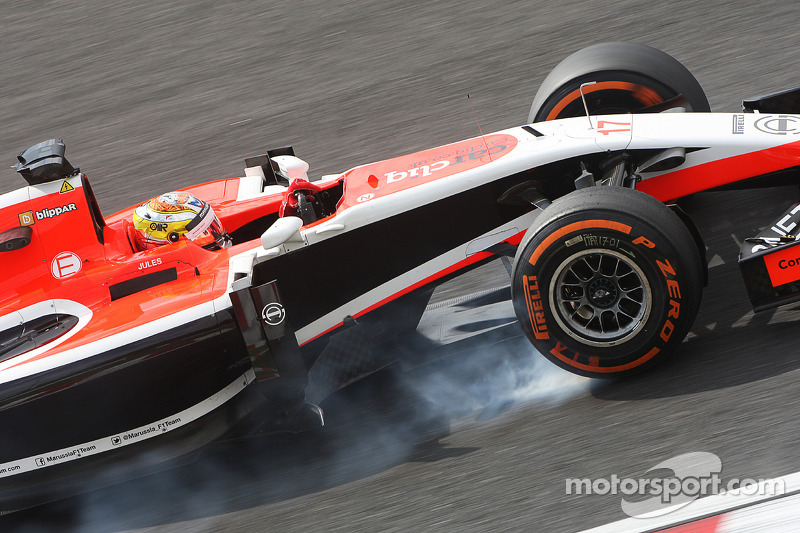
(165, 219)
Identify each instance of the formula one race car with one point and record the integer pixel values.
(165, 325)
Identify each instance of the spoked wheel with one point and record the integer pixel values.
(601, 297)
(630, 78)
(607, 281)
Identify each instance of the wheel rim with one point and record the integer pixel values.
(600, 297)
(614, 93)
(607, 98)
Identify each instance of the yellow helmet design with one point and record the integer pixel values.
(166, 218)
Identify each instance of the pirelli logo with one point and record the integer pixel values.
(738, 124)
(533, 299)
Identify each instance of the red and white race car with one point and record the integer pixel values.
(110, 346)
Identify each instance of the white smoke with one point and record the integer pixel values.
(491, 365)
(468, 362)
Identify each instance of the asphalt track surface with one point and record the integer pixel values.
(152, 96)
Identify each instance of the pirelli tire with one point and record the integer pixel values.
(631, 78)
(607, 282)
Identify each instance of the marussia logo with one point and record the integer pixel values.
(273, 314)
(54, 212)
(778, 124)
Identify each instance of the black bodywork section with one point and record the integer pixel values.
(114, 392)
(135, 460)
(778, 238)
(787, 101)
(120, 389)
(312, 285)
(142, 283)
(271, 344)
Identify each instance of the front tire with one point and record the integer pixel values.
(607, 282)
(631, 78)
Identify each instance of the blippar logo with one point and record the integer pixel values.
(55, 211)
(26, 218)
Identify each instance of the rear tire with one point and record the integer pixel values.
(607, 282)
(631, 78)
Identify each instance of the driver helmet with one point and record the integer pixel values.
(165, 218)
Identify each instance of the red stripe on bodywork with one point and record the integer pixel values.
(721, 172)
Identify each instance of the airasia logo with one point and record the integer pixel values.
(65, 265)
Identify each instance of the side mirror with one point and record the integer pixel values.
(15, 238)
(291, 167)
(283, 230)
